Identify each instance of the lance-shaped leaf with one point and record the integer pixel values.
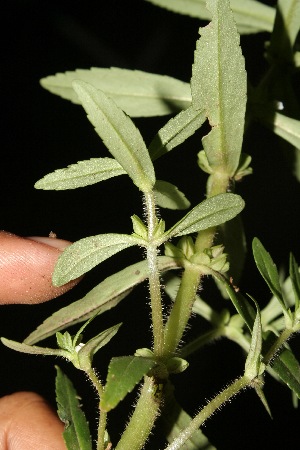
(253, 365)
(135, 92)
(288, 369)
(76, 433)
(241, 304)
(118, 133)
(33, 349)
(123, 374)
(209, 213)
(88, 350)
(251, 16)
(176, 131)
(87, 253)
(268, 271)
(219, 86)
(169, 196)
(295, 280)
(286, 28)
(285, 127)
(81, 174)
(101, 298)
(273, 310)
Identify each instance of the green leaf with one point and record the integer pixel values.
(99, 300)
(169, 196)
(33, 349)
(88, 350)
(284, 126)
(76, 433)
(288, 369)
(253, 365)
(268, 271)
(82, 174)
(175, 420)
(118, 133)
(123, 374)
(273, 309)
(295, 279)
(219, 86)
(135, 92)
(209, 213)
(258, 386)
(176, 131)
(240, 303)
(251, 16)
(286, 28)
(87, 253)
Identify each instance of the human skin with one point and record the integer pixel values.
(26, 267)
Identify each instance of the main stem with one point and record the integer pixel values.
(154, 280)
(142, 420)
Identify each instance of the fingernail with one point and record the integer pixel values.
(61, 244)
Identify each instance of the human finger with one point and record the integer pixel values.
(28, 423)
(26, 268)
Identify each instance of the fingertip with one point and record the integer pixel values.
(26, 268)
(27, 422)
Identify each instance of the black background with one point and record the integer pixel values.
(41, 132)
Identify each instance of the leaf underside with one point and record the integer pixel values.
(100, 299)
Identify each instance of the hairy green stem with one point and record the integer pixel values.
(102, 414)
(101, 430)
(182, 308)
(202, 340)
(208, 410)
(279, 342)
(154, 279)
(143, 418)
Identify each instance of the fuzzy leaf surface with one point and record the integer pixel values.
(87, 253)
(251, 16)
(33, 349)
(139, 94)
(124, 373)
(82, 174)
(219, 85)
(169, 196)
(118, 133)
(176, 131)
(253, 361)
(100, 299)
(209, 213)
(88, 350)
(76, 433)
